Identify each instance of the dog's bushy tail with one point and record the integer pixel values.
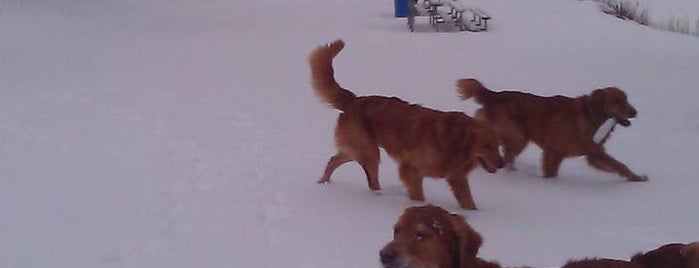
(472, 88)
(323, 76)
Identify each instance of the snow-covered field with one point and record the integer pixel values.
(179, 133)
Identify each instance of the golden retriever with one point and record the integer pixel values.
(430, 237)
(562, 126)
(600, 263)
(424, 142)
(676, 255)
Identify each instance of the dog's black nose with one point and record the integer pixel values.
(633, 113)
(388, 255)
(501, 163)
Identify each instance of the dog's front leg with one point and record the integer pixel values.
(462, 191)
(412, 180)
(601, 160)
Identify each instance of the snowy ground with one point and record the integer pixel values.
(176, 133)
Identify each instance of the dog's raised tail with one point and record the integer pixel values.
(471, 88)
(323, 76)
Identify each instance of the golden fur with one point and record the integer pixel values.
(424, 142)
(675, 255)
(562, 126)
(429, 236)
(600, 263)
(691, 255)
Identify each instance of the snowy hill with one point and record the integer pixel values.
(174, 133)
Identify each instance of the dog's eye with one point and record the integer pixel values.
(419, 236)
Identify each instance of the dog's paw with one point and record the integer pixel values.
(640, 178)
(323, 182)
(376, 192)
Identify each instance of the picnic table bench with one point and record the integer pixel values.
(453, 10)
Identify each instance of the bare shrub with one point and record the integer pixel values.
(679, 25)
(630, 10)
(643, 18)
(626, 10)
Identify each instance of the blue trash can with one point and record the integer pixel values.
(400, 8)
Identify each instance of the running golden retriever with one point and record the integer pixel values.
(424, 142)
(562, 126)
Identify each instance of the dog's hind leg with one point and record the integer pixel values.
(551, 162)
(335, 161)
(366, 152)
(462, 191)
(512, 139)
(412, 180)
(512, 146)
(354, 140)
(369, 160)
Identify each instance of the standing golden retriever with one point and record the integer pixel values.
(562, 126)
(429, 236)
(424, 142)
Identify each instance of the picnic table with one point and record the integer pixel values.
(455, 12)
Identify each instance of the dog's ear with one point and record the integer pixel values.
(468, 239)
(595, 103)
(596, 100)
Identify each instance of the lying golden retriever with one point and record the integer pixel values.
(562, 126)
(424, 142)
(429, 236)
(676, 255)
(600, 263)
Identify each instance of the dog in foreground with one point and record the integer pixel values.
(429, 236)
(562, 126)
(676, 255)
(424, 142)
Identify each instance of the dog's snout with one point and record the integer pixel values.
(633, 113)
(501, 162)
(388, 255)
